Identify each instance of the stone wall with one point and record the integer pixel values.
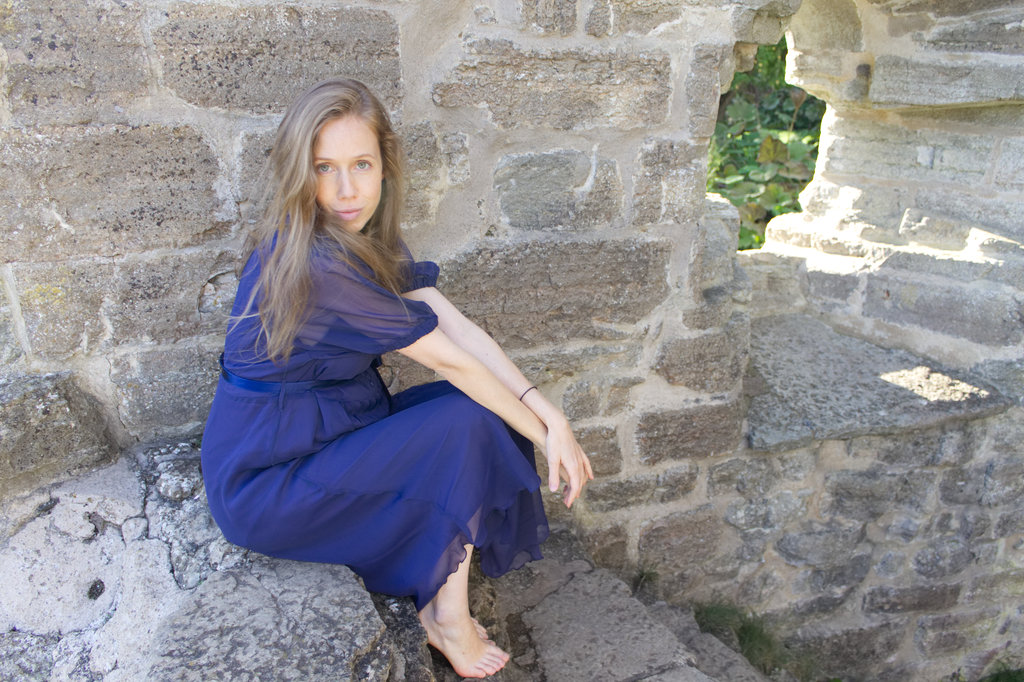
(557, 155)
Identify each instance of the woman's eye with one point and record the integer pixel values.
(323, 168)
(363, 165)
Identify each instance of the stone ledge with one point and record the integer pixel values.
(822, 385)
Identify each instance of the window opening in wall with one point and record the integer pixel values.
(765, 144)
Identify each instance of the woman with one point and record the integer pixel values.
(306, 455)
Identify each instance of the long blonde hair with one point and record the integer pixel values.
(295, 225)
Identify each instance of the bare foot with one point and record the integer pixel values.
(459, 639)
(481, 630)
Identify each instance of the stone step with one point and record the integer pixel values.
(812, 383)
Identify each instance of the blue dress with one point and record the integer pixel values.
(313, 460)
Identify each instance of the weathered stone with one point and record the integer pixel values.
(840, 579)
(938, 232)
(62, 306)
(531, 293)
(909, 81)
(26, 656)
(703, 89)
(251, 171)
(751, 476)
(546, 16)
(425, 176)
(633, 16)
(48, 425)
(565, 90)
(928, 447)
(258, 58)
(768, 513)
(563, 189)
(987, 315)
(821, 544)
(851, 653)
(714, 306)
(988, 485)
(824, 385)
(278, 622)
(166, 389)
(10, 347)
(995, 588)
(867, 495)
(1010, 523)
(996, 214)
(641, 489)
(601, 396)
(888, 599)
(954, 633)
(563, 362)
(68, 587)
(880, 150)
(580, 638)
(602, 446)
(694, 432)
(608, 546)
(69, 64)
(680, 547)
(943, 557)
(669, 184)
(55, 203)
(713, 362)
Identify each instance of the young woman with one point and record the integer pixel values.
(306, 455)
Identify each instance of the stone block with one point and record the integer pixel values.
(532, 293)
(669, 183)
(987, 485)
(166, 390)
(996, 32)
(821, 544)
(636, 17)
(750, 475)
(766, 513)
(57, 203)
(955, 633)
(561, 89)
(27, 656)
(824, 385)
(258, 58)
(883, 151)
(251, 171)
(916, 227)
(995, 588)
(608, 546)
(62, 305)
(48, 425)
(558, 190)
(602, 446)
(10, 347)
(73, 63)
(714, 306)
(640, 489)
(849, 653)
(929, 447)
(703, 89)
(426, 179)
(909, 81)
(839, 580)
(545, 16)
(867, 495)
(890, 599)
(1008, 174)
(713, 254)
(1010, 523)
(713, 362)
(943, 557)
(285, 626)
(679, 546)
(996, 215)
(602, 396)
(690, 433)
(566, 362)
(984, 313)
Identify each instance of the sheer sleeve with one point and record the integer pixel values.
(351, 312)
(424, 274)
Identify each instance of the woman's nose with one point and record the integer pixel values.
(346, 188)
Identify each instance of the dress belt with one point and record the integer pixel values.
(275, 387)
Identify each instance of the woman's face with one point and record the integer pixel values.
(347, 163)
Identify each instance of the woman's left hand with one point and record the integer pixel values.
(567, 460)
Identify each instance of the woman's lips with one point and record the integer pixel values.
(349, 215)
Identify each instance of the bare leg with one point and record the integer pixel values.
(453, 632)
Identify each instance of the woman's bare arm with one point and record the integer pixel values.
(565, 456)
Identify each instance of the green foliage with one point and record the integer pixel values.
(765, 144)
(735, 626)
